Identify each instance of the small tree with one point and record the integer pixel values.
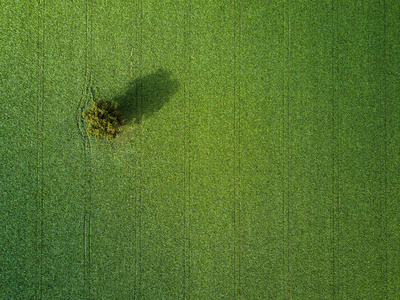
(104, 119)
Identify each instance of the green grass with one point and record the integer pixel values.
(265, 164)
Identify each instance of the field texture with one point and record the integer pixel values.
(261, 159)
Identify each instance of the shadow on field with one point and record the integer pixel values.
(146, 95)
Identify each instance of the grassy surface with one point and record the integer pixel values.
(265, 164)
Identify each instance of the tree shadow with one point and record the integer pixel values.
(146, 95)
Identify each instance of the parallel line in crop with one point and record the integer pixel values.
(40, 148)
(237, 149)
(335, 195)
(88, 94)
(139, 269)
(285, 161)
(187, 202)
(384, 210)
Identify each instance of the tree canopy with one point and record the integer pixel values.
(104, 119)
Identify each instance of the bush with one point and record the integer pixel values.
(104, 120)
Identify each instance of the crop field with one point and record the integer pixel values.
(260, 158)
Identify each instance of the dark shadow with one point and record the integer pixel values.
(146, 95)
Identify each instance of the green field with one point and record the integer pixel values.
(265, 163)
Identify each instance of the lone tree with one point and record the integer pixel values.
(104, 119)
